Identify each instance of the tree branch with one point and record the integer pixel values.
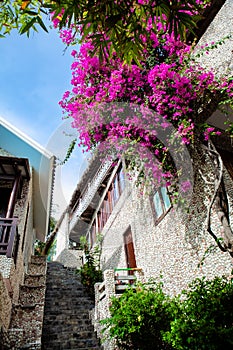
(219, 198)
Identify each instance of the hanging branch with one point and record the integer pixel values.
(219, 196)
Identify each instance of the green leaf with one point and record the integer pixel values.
(27, 26)
(41, 23)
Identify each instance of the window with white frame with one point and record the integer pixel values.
(161, 203)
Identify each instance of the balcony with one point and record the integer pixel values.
(9, 237)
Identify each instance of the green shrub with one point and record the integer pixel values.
(138, 316)
(90, 274)
(202, 316)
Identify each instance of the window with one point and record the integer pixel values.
(161, 203)
(112, 196)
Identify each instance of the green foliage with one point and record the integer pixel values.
(122, 22)
(69, 151)
(38, 247)
(203, 316)
(200, 318)
(138, 316)
(21, 15)
(90, 272)
(51, 247)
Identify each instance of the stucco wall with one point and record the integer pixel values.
(62, 237)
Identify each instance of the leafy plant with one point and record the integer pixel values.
(123, 22)
(202, 316)
(38, 247)
(90, 272)
(138, 317)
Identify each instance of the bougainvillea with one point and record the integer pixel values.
(143, 110)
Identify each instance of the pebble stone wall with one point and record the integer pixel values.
(12, 275)
(178, 247)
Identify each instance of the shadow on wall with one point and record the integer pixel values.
(70, 258)
(196, 217)
(113, 262)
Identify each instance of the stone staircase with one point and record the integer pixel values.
(67, 323)
(27, 316)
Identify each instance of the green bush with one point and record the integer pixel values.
(202, 316)
(138, 316)
(90, 274)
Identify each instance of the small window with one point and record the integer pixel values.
(161, 203)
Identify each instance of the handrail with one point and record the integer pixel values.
(129, 269)
(122, 282)
(8, 237)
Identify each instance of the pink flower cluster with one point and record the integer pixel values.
(128, 108)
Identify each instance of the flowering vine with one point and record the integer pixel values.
(151, 111)
(168, 81)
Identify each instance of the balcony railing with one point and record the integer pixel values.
(8, 237)
(89, 192)
(125, 278)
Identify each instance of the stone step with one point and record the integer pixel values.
(69, 317)
(36, 268)
(31, 294)
(38, 259)
(13, 339)
(69, 346)
(70, 328)
(66, 343)
(78, 300)
(37, 279)
(29, 318)
(67, 308)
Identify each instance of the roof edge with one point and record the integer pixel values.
(26, 138)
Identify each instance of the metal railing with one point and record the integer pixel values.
(123, 281)
(89, 192)
(8, 237)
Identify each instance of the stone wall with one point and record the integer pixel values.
(178, 247)
(5, 305)
(70, 258)
(221, 58)
(64, 255)
(23, 212)
(12, 275)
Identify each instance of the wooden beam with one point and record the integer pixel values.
(13, 196)
(2, 168)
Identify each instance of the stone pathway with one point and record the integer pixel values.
(66, 316)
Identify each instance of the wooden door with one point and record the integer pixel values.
(129, 250)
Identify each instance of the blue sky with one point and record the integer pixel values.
(34, 74)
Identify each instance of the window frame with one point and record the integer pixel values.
(165, 209)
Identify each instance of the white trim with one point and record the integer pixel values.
(26, 138)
